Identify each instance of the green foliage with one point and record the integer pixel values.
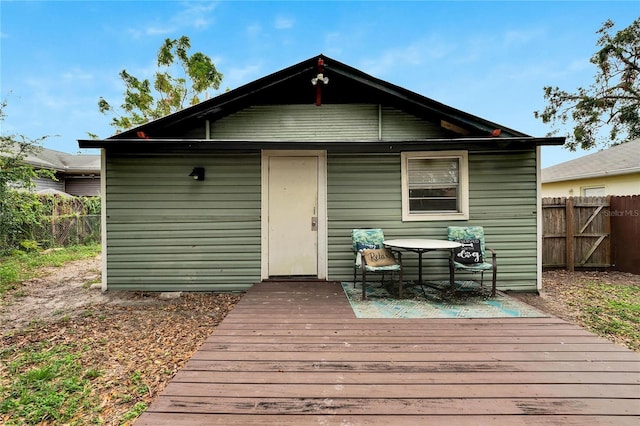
(144, 102)
(27, 218)
(14, 149)
(23, 214)
(92, 205)
(47, 384)
(21, 266)
(29, 245)
(611, 104)
(135, 412)
(20, 211)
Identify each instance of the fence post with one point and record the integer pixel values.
(607, 231)
(569, 234)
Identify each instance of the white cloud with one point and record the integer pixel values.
(159, 30)
(44, 94)
(417, 53)
(195, 15)
(482, 46)
(283, 23)
(235, 77)
(579, 65)
(334, 43)
(76, 74)
(254, 30)
(516, 38)
(151, 30)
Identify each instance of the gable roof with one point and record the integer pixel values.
(617, 160)
(293, 85)
(63, 162)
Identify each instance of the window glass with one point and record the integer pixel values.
(594, 191)
(434, 185)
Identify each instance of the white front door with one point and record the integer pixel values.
(292, 215)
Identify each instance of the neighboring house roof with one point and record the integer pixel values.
(618, 160)
(51, 191)
(293, 85)
(64, 162)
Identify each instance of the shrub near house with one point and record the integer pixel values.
(41, 221)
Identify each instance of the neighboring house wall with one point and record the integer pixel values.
(628, 184)
(166, 231)
(44, 183)
(74, 185)
(86, 186)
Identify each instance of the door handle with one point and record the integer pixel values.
(314, 223)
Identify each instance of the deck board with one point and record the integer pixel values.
(293, 353)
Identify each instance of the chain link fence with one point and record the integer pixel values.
(61, 231)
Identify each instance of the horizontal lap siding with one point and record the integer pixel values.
(167, 231)
(364, 191)
(42, 183)
(82, 186)
(398, 126)
(503, 200)
(300, 123)
(337, 123)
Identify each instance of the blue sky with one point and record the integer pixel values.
(491, 59)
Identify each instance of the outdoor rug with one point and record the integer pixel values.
(467, 302)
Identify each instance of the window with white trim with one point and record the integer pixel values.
(593, 191)
(435, 185)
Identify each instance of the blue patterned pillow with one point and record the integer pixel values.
(364, 245)
(367, 239)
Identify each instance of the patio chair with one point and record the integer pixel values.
(370, 255)
(471, 257)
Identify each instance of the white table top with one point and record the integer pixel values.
(422, 244)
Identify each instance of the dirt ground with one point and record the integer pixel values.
(138, 341)
(59, 292)
(559, 296)
(66, 292)
(134, 337)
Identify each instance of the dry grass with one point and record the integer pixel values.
(606, 303)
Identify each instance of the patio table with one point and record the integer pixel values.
(420, 246)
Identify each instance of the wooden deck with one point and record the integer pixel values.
(293, 353)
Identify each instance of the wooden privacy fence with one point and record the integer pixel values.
(591, 232)
(576, 232)
(625, 233)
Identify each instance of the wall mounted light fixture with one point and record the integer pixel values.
(197, 173)
(319, 78)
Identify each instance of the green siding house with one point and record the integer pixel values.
(290, 163)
